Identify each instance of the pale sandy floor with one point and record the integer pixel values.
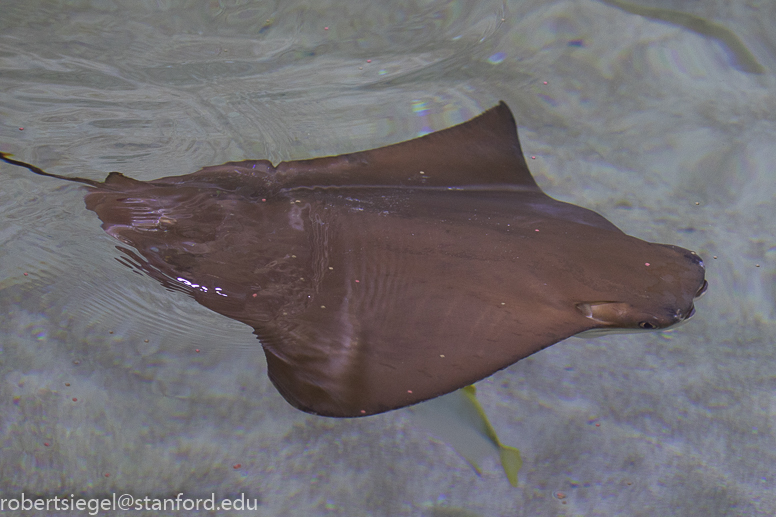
(660, 121)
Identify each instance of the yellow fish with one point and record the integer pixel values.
(459, 420)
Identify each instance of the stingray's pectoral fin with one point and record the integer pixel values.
(309, 377)
(139, 264)
(300, 391)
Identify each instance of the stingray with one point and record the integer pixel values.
(379, 279)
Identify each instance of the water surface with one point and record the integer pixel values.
(660, 122)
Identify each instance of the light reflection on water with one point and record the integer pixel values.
(636, 117)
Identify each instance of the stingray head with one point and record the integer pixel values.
(657, 298)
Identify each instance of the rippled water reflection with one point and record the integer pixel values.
(663, 125)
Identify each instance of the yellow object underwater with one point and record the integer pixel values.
(459, 420)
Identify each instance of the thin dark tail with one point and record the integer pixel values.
(7, 158)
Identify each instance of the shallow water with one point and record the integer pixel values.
(659, 116)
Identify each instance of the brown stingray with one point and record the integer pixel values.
(379, 279)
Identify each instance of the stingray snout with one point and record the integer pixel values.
(684, 315)
(689, 313)
(702, 289)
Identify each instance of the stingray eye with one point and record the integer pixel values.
(646, 325)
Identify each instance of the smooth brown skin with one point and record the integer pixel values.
(373, 285)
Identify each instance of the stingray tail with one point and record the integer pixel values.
(7, 158)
